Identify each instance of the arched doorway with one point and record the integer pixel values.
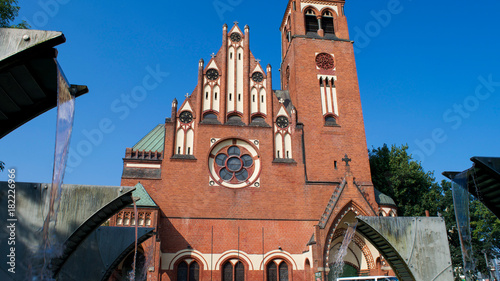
(358, 255)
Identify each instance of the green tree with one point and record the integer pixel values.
(9, 10)
(439, 201)
(485, 227)
(396, 174)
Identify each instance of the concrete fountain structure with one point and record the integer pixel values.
(78, 246)
(415, 247)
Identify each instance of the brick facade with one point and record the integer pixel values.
(290, 208)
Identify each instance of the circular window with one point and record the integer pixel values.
(257, 77)
(212, 74)
(235, 37)
(186, 117)
(282, 122)
(234, 163)
(325, 61)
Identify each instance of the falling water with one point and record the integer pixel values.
(148, 261)
(64, 128)
(132, 273)
(461, 204)
(337, 268)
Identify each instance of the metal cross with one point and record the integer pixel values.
(236, 23)
(212, 55)
(257, 60)
(281, 100)
(187, 95)
(346, 159)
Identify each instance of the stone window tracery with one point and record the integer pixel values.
(234, 163)
(325, 61)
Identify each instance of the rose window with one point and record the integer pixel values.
(325, 61)
(234, 163)
(234, 166)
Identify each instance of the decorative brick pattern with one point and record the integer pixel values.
(293, 200)
(127, 218)
(331, 204)
(131, 154)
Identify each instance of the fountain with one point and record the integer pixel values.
(416, 248)
(461, 198)
(337, 268)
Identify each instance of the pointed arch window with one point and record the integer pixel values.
(233, 273)
(182, 271)
(189, 272)
(311, 21)
(239, 272)
(227, 274)
(194, 271)
(327, 23)
(277, 273)
(272, 273)
(283, 272)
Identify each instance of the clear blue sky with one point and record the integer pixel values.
(418, 74)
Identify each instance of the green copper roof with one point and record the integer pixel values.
(153, 141)
(146, 200)
(383, 199)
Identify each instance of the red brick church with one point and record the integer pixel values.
(245, 182)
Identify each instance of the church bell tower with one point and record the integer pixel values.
(319, 71)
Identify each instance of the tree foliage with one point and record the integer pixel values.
(485, 227)
(9, 10)
(396, 174)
